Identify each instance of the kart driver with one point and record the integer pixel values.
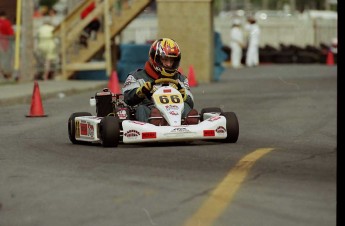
(164, 60)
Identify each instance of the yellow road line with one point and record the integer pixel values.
(221, 196)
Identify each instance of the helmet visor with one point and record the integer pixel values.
(169, 62)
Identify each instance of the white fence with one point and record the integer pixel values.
(295, 30)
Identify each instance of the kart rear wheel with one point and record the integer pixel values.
(232, 127)
(109, 130)
(209, 110)
(71, 126)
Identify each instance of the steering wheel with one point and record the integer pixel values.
(166, 80)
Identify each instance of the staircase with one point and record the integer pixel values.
(115, 15)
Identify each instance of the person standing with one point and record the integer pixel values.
(6, 44)
(92, 28)
(236, 43)
(252, 55)
(47, 47)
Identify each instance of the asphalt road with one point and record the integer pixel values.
(289, 111)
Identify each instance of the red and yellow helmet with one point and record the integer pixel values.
(165, 49)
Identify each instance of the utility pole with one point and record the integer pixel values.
(26, 72)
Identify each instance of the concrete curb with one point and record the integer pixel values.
(24, 97)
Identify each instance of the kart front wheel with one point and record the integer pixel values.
(71, 126)
(232, 127)
(109, 131)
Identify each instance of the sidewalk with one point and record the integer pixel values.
(21, 93)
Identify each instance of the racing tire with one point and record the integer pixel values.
(109, 130)
(232, 127)
(209, 110)
(71, 126)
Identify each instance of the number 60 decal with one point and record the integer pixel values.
(165, 99)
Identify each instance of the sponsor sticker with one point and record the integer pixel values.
(180, 130)
(171, 107)
(173, 112)
(214, 118)
(122, 114)
(132, 134)
(90, 130)
(148, 135)
(130, 79)
(83, 129)
(103, 93)
(209, 133)
(220, 129)
(138, 122)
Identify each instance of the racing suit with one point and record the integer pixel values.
(252, 55)
(137, 78)
(236, 36)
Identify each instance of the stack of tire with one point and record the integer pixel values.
(267, 54)
(287, 54)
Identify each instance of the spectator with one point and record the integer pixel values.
(54, 18)
(5, 25)
(47, 48)
(236, 43)
(252, 55)
(6, 40)
(92, 28)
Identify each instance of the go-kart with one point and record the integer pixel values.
(115, 121)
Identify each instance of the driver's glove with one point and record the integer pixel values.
(144, 90)
(183, 93)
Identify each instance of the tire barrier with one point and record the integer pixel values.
(287, 54)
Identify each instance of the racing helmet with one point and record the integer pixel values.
(165, 49)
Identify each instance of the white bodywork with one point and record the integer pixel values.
(137, 132)
(86, 128)
(170, 103)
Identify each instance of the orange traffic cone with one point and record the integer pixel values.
(36, 109)
(330, 58)
(191, 77)
(113, 84)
